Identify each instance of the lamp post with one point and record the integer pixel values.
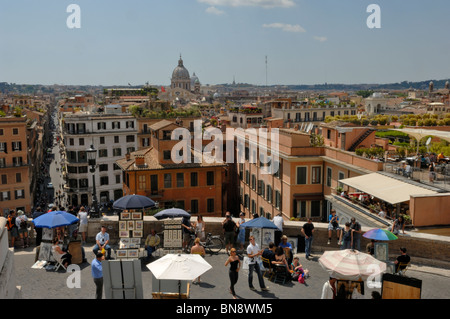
(91, 153)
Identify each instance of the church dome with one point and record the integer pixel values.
(194, 79)
(180, 72)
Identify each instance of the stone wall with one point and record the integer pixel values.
(8, 289)
(424, 249)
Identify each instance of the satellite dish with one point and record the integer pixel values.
(428, 141)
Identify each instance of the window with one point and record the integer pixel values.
(328, 134)
(278, 200)
(329, 175)
(247, 177)
(130, 124)
(71, 141)
(299, 209)
(141, 182)
(15, 131)
(103, 153)
(116, 139)
(194, 206)
(101, 126)
(19, 193)
(130, 138)
(3, 147)
(301, 175)
(17, 161)
(194, 179)
(253, 182)
(117, 152)
(102, 140)
(104, 180)
(73, 183)
(269, 194)
(316, 177)
(341, 176)
(210, 178)
(276, 169)
(81, 141)
(116, 167)
(116, 125)
(246, 201)
(210, 205)
(2, 162)
(153, 184)
(180, 179)
(83, 183)
(5, 195)
(17, 146)
(166, 155)
(18, 178)
(103, 167)
(167, 180)
(82, 157)
(4, 179)
(315, 208)
(253, 208)
(82, 169)
(117, 179)
(1, 131)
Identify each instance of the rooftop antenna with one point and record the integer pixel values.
(266, 70)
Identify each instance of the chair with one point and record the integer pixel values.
(281, 275)
(402, 268)
(59, 261)
(268, 272)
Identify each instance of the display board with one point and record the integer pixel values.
(400, 287)
(131, 231)
(173, 236)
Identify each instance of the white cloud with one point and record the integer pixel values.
(320, 39)
(214, 10)
(252, 3)
(285, 27)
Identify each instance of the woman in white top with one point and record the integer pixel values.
(83, 217)
(200, 227)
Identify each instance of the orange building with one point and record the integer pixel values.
(200, 188)
(14, 165)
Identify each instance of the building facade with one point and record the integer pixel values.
(113, 134)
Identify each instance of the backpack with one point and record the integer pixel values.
(23, 224)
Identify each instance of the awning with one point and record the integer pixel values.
(386, 188)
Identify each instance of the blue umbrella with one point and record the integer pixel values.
(260, 222)
(54, 219)
(133, 202)
(171, 213)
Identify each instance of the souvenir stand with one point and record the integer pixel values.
(173, 236)
(131, 231)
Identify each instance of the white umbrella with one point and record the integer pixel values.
(350, 264)
(179, 267)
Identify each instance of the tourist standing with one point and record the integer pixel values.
(229, 228)
(97, 274)
(329, 289)
(355, 228)
(83, 217)
(308, 231)
(253, 253)
(235, 266)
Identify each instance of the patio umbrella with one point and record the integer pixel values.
(133, 202)
(171, 213)
(380, 234)
(350, 264)
(179, 267)
(260, 222)
(54, 219)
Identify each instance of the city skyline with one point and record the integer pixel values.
(305, 42)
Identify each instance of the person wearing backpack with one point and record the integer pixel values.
(22, 226)
(12, 227)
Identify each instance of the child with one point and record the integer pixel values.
(297, 271)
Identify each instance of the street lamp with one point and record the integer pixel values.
(91, 154)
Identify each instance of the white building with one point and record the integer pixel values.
(113, 134)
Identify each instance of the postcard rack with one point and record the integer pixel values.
(131, 231)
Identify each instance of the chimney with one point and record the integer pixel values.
(139, 160)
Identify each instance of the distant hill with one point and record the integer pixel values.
(405, 85)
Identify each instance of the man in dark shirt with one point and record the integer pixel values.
(38, 212)
(308, 231)
(229, 228)
(355, 228)
(403, 258)
(269, 253)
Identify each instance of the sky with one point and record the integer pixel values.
(305, 41)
